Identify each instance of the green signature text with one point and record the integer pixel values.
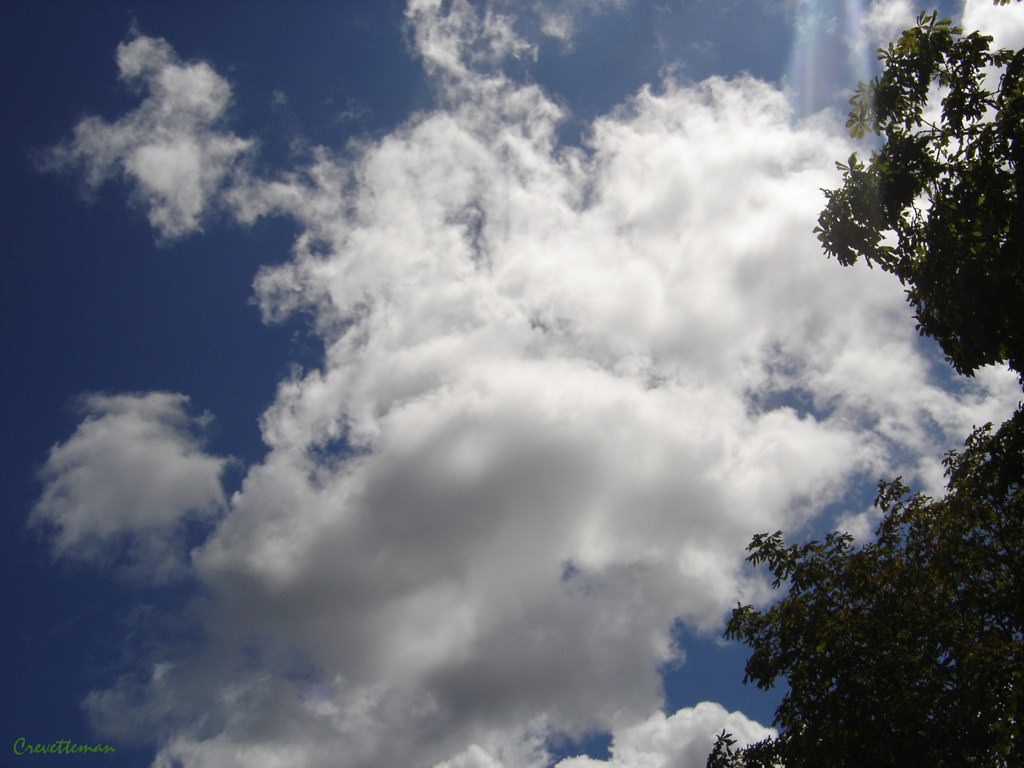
(22, 746)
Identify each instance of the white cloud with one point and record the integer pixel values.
(130, 474)
(681, 740)
(886, 19)
(1005, 23)
(574, 381)
(169, 148)
(558, 18)
(457, 43)
(474, 757)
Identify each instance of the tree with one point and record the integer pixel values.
(941, 204)
(909, 649)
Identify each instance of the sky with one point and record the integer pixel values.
(399, 384)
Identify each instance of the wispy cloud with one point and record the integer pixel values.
(561, 386)
(558, 18)
(886, 19)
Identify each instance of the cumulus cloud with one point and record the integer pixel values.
(681, 740)
(169, 149)
(561, 387)
(120, 487)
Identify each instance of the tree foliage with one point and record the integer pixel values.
(909, 649)
(941, 204)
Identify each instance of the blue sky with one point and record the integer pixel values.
(393, 384)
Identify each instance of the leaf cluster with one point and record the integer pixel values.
(941, 204)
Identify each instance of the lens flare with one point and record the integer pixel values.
(830, 54)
